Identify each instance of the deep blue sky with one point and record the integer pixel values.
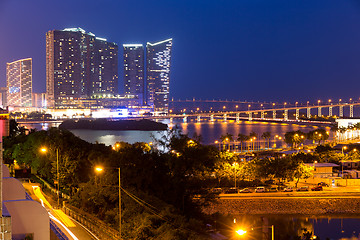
(278, 50)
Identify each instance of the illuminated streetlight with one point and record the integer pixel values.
(100, 169)
(44, 150)
(241, 232)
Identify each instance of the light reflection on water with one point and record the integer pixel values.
(209, 131)
(325, 227)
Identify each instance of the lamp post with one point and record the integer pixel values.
(235, 165)
(44, 150)
(342, 162)
(100, 169)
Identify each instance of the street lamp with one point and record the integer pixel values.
(241, 232)
(44, 150)
(100, 169)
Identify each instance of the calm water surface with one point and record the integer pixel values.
(326, 227)
(209, 131)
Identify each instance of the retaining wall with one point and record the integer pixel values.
(306, 206)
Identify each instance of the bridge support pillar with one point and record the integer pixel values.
(286, 115)
(319, 111)
(211, 117)
(351, 110)
(274, 114)
(308, 113)
(341, 111)
(297, 114)
(262, 115)
(225, 117)
(330, 111)
(185, 119)
(198, 119)
(250, 116)
(237, 117)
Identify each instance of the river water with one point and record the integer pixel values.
(209, 131)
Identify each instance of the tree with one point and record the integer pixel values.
(226, 139)
(242, 138)
(294, 138)
(318, 135)
(267, 136)
(302, 172)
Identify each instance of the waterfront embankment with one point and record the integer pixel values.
(295, 206)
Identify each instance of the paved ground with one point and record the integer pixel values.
(70, 227)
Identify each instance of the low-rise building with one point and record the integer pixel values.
(323, 170)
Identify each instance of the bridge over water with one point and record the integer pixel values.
(265, 111)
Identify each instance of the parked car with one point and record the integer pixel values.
(260, 189)
(317, 188)
(288, 189)
(231, 190)
(323, 184)
(303, 188)
(245, 190)
(273, 189)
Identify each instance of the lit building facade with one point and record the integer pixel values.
(134, 70)
(39, 100)
(158, 56)
(79, 65)
(19, 83)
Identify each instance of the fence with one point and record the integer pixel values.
(99, 228)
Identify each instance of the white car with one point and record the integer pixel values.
(288, 189)
(260, 189)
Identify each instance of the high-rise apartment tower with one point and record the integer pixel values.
(79, 65)
(158, 56)
(134, 70)
(19, 83)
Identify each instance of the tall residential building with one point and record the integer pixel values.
(134, 70)
(79, 65)
(19, 83)
(158, 57)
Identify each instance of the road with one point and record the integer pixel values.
(329, 192)
(70, 227)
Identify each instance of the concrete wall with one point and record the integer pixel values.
(306, 206)
(28, 217)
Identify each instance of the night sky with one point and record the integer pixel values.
(230, 49)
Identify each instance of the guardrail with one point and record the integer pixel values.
(57, 231)
(96, 226)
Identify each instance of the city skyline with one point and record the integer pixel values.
(249, 50)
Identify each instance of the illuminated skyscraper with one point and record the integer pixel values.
(158, 57)
(19, 83)
(79, 66)
(134, 70)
